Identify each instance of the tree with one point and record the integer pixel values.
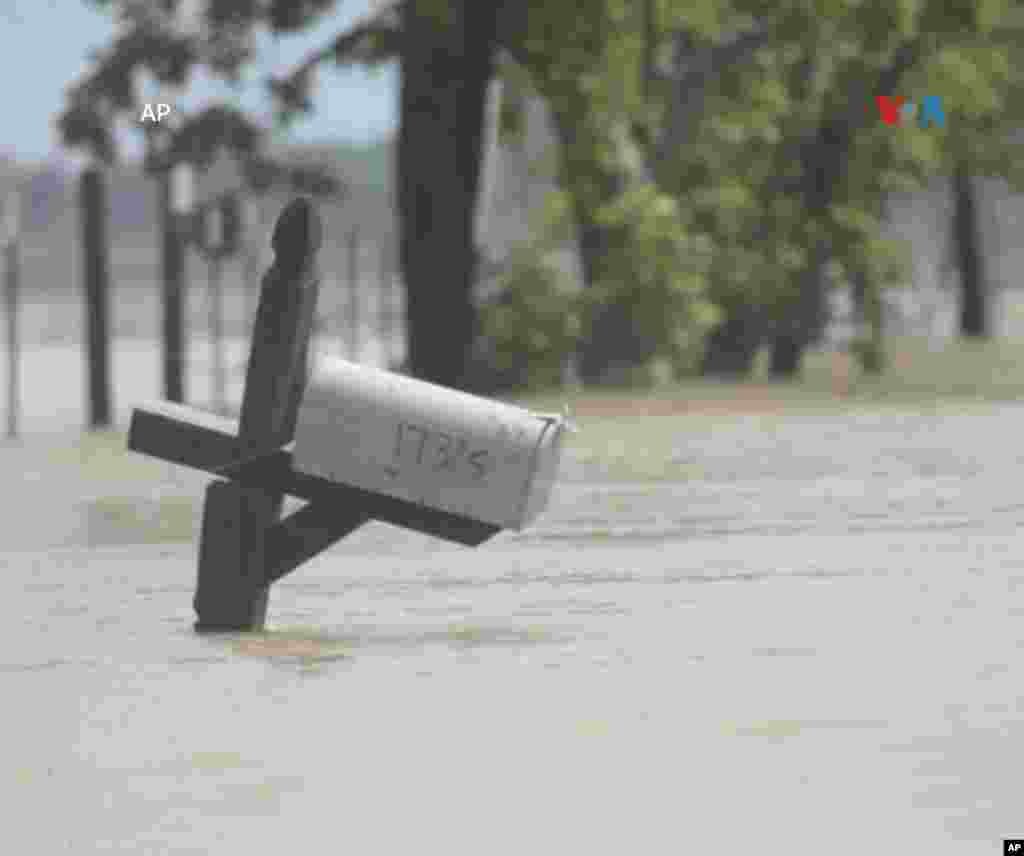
(962, 51)
(572, 56)
(149, 39)
(446, 50)
(970, 260)
(802, 105)
(978, 148)
(722, 163)
(447, 62)
(643, 266)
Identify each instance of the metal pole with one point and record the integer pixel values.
(11, 301)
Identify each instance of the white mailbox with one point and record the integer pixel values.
(438, 447)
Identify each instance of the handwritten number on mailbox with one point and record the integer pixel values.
(446, 452)
(445, 458)
(398, 441)
(423, 441)
(478, 460)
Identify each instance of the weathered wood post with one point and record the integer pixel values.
(232, 590)
(359, 444)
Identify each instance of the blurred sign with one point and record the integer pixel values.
(223, 178)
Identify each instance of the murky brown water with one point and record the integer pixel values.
(771, 659)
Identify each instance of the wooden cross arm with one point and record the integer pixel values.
(190, 437)
(304, 534)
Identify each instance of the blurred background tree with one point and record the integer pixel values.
(722, 165)
(155, 39)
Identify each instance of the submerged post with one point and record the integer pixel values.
(232, 590)
(357, 445)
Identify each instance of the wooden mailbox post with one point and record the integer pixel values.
(245, 545)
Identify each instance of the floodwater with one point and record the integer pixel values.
(52, 391)
(775, 658)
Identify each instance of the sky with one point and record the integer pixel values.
(45, 44)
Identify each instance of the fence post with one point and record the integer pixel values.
(95, 251)
(171, 184)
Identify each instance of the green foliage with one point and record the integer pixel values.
(714, 148)
(747, 166)
(535, 321)
(661, 271)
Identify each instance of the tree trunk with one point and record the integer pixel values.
(786, 355)
(731, 347)
(614, 344)
(823, 160)
(805, 324)
(970, 260)
(869, 344)
(446, 67)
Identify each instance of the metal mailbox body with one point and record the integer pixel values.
(427, 444)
